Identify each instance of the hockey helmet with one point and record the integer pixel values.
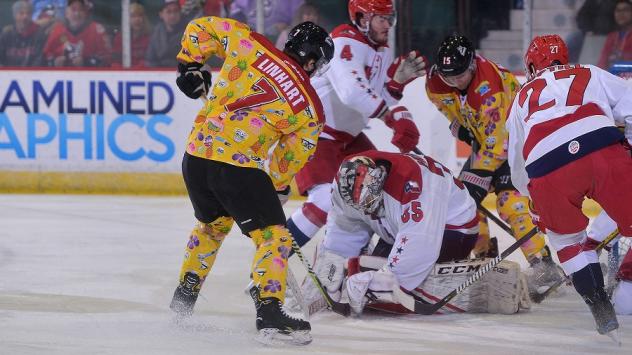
(360, 182)
(309, 41)
(368, 9)
(543, 52)
(454, 56)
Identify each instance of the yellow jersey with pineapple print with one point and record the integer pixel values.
(260, 98)
(482, 108)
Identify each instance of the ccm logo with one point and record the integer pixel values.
(460, 269)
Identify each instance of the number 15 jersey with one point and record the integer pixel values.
(563, 114)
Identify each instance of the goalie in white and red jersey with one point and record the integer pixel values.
(362, 82)
(564, 146)
(427, 224)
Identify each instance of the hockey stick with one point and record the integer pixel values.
(430, 308)
(496, 220)
(541, 296)
(340, 308)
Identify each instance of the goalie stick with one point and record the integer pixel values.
(430, 308)
(338, 307)
(537, 298)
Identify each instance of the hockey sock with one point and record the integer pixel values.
(588, 280)
(269, 269)
(298, 235)
(513, 208)
(202, 247)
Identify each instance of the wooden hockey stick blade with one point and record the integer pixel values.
(430, 308)
(539, 297)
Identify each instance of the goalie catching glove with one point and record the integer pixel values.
(193, 80)
(405, 132)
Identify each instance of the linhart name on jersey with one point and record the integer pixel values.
(276, 72)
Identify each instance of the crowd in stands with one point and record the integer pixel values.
(63, 33)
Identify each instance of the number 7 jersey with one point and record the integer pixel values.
(260, 97)
(563, 114)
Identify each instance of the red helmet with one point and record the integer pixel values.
(543, 52)
(369, 8)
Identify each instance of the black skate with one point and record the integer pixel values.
(275, 326)
(544, 274)
(185, 295)
(603, 312)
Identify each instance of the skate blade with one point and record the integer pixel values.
(614, 335)
(274, 337)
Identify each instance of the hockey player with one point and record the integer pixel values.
(363, 80)
(262, 97)
(564, 146)
(475, 94)
(425, 216)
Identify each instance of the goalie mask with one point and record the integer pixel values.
(360, 183)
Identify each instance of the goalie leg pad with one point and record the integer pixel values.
(506, 289)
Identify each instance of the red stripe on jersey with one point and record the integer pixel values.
(471, 224)
(314, 214)
(544, 129)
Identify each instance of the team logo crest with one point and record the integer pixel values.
(573, 147)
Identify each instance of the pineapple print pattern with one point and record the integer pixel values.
(240, 123)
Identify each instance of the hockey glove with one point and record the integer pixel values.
(461, 133)
(192, 80)
(405, 132)
(284, 195)
(404, 70)
(478, 182)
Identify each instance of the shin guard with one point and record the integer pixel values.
(269, 269)
(513, 208)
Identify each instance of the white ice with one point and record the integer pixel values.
(95, 275)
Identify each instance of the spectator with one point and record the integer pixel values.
(141, 32)
(618, 44)
(198, 8)
(46, 12)
(21, 43)
(277, 14)
(78, 41)
(164, 43)
(305, 12)
(594, 17)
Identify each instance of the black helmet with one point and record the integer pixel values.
(454, 56)
(309, 41)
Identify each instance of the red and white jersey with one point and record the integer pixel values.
(563, 114)
(353, 90)
(421, 200)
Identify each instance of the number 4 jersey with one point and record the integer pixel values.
(563, 114)
(421, 200)
(260, 97)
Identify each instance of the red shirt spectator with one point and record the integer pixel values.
(78, 41)
(21, 43)
(141, 32)
(618, 46)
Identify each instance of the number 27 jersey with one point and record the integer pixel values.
(563, 114)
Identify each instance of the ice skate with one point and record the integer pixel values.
(275, 326)
(603, 312)
(185, 296)
(543, 274)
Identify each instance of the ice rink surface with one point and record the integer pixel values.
(95, 275)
